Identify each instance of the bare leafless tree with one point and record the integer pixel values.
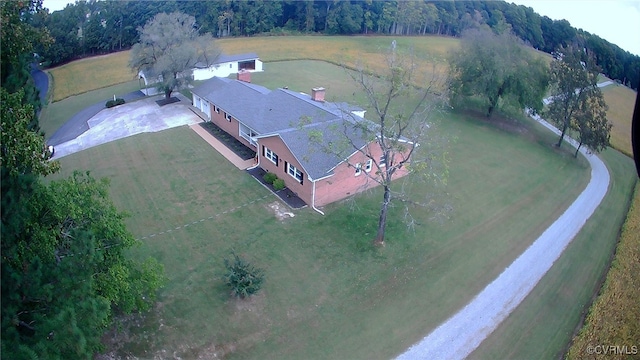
(397, 138)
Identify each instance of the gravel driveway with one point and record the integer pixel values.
(462, 333)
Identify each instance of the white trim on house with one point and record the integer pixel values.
(271, 155)
(202, 105)
(295, 173)
(313, 198)
(248, 134)
(368, 165)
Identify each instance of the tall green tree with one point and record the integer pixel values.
(64, 270)
(170, 47)
(577, 102)
(592, 126)
(19, 41)
(65, 273)
(494, 68)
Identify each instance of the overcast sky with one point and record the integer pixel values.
(617, 21)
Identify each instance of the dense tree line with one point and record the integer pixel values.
(64, 270)
(95, 27)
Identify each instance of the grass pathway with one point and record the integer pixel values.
(184, 226)
(462, 333)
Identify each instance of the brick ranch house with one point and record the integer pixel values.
(278, 125)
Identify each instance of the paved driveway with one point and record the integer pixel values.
(77, 125)
(129, 119)
(41, 81)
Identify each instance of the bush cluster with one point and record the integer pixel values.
(116, 102)
(278, 184)
(242, 278)
(270, 177)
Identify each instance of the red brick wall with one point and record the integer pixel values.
(341, 185)
(232, 127)
(276, 145)
(345, 183)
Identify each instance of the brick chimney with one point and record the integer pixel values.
(317, 94)
(244, 75)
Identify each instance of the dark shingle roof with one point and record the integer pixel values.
(294, 117)
(224, 58)
(236, 57)
(320, 147)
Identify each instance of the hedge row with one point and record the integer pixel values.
(612, 328)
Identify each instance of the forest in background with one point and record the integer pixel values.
(89, 28)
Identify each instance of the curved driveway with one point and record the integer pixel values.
(41, 82)
(461, 334)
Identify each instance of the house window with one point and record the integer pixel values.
(358, 169)
(248, 134)
(295, 173)
(216, 109)
(227, 116)
(270, 155)
(368, 165)
(383, 161)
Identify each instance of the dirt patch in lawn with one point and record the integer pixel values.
(280, 210)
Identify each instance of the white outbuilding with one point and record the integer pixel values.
(223, 67)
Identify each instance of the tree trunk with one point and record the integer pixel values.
(494, 102)
(167, 93)
(564, 130)
(490, 110)
(382, 222)
(578, 149)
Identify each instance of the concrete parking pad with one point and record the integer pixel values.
(130, 119)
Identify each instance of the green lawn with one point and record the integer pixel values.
(543, 325)
(81, 76)
(54, 115)
(328, 292)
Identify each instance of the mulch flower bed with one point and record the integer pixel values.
(240, 149)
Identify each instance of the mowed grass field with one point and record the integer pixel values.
(406, 286)
(328, 292)
(89, 74)
(82, 76)
(620, 100)
(541, 327)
